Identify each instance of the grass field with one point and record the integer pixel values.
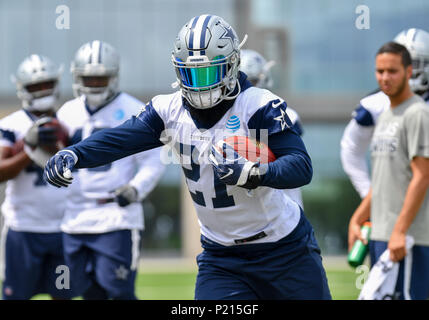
(159, 286)
(157, 282)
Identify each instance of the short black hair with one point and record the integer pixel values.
(396, 48)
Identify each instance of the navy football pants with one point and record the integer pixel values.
(31, 265)
(290, 268)
(100, 264)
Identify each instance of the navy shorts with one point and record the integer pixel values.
(107, 259)
(418, 278)
(31, 265)
(290, 268)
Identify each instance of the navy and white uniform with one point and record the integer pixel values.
(295, 193)
(92, 218)
(31, 239)
(232, 218)
(357, 137)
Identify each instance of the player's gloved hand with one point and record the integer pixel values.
(126, 195)
(232, 169)
(38, 134)
(58, 168)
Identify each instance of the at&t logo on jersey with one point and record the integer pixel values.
(233, 123)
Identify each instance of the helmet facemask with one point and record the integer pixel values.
(419, 81)
(205, 83)
(96, 89)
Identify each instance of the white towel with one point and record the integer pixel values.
(382, 278)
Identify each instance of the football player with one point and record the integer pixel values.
(104, 215)
(32, 210)
(257, 69)
(397, 203)
(256, 245)
(358, 133)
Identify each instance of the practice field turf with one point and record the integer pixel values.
(161, 286)
(164, 285)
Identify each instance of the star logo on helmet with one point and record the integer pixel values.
(282, 118)
(229, 33)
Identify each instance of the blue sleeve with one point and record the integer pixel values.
(140, 133)
(8, 135)
(292, 167)
(297, 126)
(363, 116)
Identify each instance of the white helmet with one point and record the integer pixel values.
(206, 58)
(36, 83)
(417, 43)
(256, 68)
(95, 72)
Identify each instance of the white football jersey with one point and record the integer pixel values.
(30, 204)
(227, 214)
(90, 208)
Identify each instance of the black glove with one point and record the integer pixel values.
(126, 195)
(234, 169)
(39, 134)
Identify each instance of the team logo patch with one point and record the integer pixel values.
(282, 119)
(122, 272)
(119, 114)
(233, 123)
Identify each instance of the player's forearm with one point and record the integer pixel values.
(356, 168)
(12, 166)
(292, 168)
(289, 171)
(363, 211)
(354, 146)
(414, 198)
(108, 145)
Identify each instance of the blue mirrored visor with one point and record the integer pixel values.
(204, 76)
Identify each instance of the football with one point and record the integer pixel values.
(17, 147)
(251, 149)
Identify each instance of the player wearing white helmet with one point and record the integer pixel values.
(104, 215)
(257, 245)
(37, 80)
(31, 243)
(358, 132)
(257, 69)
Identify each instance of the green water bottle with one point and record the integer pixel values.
(359, 251)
